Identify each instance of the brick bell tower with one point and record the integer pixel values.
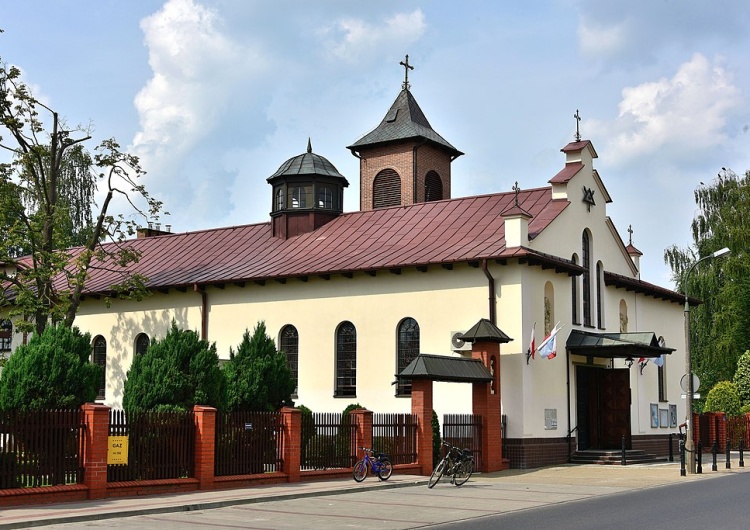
(403, 160)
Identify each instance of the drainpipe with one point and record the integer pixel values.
(204, 310)
(414, 170)
(491, 286)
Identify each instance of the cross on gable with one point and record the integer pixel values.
(516, 189)
(407, 67)
(577, 116)
(630, 232)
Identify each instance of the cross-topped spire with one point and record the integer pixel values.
(407, 67)
(577, 116)
(630, 232)
(516, 189)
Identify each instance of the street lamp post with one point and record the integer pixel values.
(689, 445)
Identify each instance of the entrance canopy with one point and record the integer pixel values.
(615, 345)
(443, 368)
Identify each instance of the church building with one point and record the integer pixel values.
(352, 298)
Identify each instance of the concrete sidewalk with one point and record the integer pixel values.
(607, 479)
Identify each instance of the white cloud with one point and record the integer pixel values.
(678, 117)
(597, 38)
(353, 38)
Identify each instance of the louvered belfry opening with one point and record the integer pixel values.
(433, 187)
(386, 189)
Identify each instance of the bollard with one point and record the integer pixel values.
(699, 457)
(671, 455)
(714, 450)
(682, 457)
(742, 459)
(729, 448)
(623, 450)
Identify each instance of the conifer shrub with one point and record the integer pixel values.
(257, 374)
(175, 374)
(52, 371)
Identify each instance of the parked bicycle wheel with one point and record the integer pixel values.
(386, 470)
(360, 471)
(463, 471)
(437, 473)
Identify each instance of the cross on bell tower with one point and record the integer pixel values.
(577, 116)
(405, 85)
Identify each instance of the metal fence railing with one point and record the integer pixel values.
(395, 435)
(161, 445)
(328, 441)
(248, 443)
(41, 448)
(465, 431)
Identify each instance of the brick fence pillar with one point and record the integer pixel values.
(363, 420)
(96, 433)
(487, 404)
(721, 427)
(421, 407)
(205, 445)
(291, 443)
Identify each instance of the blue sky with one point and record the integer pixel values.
(214, 95)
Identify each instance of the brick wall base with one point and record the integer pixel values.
(529, 453)
(657, 444)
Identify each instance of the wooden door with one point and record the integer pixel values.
(614, 412)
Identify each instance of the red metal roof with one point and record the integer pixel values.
(570, 170)
(449, 231)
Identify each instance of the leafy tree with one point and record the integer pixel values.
(742, 377)
(718, 327)
(723, 398)
(175, 373)
(52, 371)
(47, 206)
(258, 376)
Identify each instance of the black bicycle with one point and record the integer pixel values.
(457, 463)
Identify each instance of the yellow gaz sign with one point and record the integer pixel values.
(117, 450)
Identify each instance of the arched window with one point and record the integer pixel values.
(574, 293)
(599, 295)
(549, 307)
(386, 189)
(299, 197)
(6, 335)
(433, 187)
(100, 358)
(325, 198)
(289, 340)
(408, 349)
(279, 199)
(586, 263)
(142, 342)
(346, 360)
(623, 316)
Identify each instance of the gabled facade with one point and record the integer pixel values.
(353, 298)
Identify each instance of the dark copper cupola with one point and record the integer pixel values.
(308, 192)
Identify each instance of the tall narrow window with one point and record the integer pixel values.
(100, 358)
(279, 199)
(433, 187)
(549, 308)
(325, 198)
(299, 197)
(346, 360)
(6, 335)
(599, 295)
(408, 349)
(662, 372)
(386, 189)
(574, 293)
(290, 347)
(586, 263)
(142, 343)
(623, 316)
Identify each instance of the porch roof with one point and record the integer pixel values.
(443, 368)
(615, 345)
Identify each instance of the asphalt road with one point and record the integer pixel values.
(718, 503)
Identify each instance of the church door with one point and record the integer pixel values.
(603, 407)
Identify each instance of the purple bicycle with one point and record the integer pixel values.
(378, 463)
